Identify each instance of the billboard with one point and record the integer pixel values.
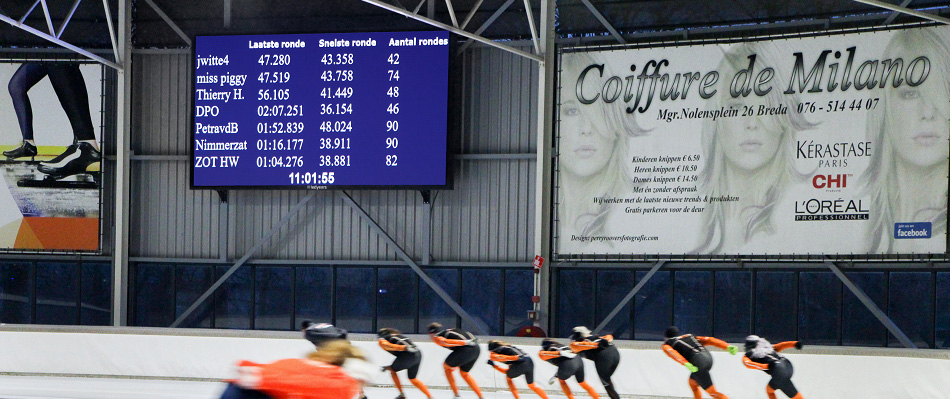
(798, 146)
(50, 134)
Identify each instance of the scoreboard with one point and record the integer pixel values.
(315, 111)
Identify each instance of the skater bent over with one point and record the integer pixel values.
(335, 371)
(408, 358)
(568, 365)
(602, 351)
(464, 354)
(761, 355)
(519, 364)
(689, 350)
(320, 334)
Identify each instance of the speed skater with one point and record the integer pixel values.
(408, 358)
(337, 370)
(464, 354)
(568, 365)
(690, 351)
(320, 334)
(762, 355)
(602, 351)
(519, 364)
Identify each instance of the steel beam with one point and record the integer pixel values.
(123, 168)
(457, 31)
(876, 311)
(471, 13)
(30, 11)
(890, 18)
(487, 23)
(479, 325)
(905, 10)
(105, 7)
(629, 296)
(534, 33)
(49, 21)
(169, 21)
(260, 243)
(59, 42)
(603, 21)
(69, 17)
(448, 4)
(418, 7)
(545, 142)
(227, 13)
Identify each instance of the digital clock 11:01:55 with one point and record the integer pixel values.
(312, 178)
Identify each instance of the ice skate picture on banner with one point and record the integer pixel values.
(50, 130)
(833, 144)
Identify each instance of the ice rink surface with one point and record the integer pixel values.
(34, 387)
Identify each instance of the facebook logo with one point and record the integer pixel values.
(912, 230)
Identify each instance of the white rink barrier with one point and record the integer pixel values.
(644, 371)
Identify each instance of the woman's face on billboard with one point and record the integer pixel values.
(917, 125)
(748, 142)
(585, 145)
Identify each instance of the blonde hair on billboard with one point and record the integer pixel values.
(756, 216)
(581, 214)
(880, 178)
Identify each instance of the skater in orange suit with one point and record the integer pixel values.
(690, 351)
(465, 350)
(519, 364)
(762, 355)
(408, 358)
(602, 351)
(568, 365)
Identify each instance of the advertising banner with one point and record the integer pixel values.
(800, 146)
(50, 130)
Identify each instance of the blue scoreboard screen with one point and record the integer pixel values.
(316, 111)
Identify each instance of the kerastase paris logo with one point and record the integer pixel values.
(832, 155)
(826, 210)
(903, 231)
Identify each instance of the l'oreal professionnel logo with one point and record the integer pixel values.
(912, 230)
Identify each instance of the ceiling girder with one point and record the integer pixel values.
(54, 37)
(905, 10)
(169, 21)
(890, 18)
(487, 23)
(604, 22)
(437, 24)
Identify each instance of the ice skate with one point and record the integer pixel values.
(80, 159)
(24, 150)
(75, 159)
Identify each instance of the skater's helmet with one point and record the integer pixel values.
(671, 331)
(580, 333)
